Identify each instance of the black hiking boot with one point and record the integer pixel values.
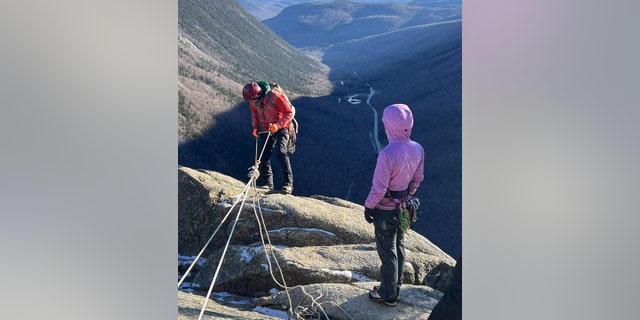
(377, 287)
(287, 188)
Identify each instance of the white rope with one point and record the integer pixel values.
(207, 244)
(253, 175)
(224, 252)
(267, 249)
(300, 312)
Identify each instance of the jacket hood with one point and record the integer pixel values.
(398, 122)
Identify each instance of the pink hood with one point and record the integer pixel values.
(398, 121)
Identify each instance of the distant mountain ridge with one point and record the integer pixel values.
(320, 24)
(266, 9)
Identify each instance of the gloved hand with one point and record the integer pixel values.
(415, 202)
(273, 127)
(413, 206)
(255, 132)
(368, 214)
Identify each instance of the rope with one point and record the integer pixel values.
(254, 173)
(262, 225)
(206, 244)
(315, 310)
(312, 312)
(224, 252)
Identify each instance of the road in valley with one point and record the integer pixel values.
(374, 136)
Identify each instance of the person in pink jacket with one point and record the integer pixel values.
(398, 173)
(270, 118)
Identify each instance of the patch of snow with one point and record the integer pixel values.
(236, 302)
(220, 295)
(248, 253)
(188, 286)
(228, 298)
(354, 100)
(356, 276)
(284, 212)
(186, 261)
(271, 312)
(304, 229)
(360, 277)
(224, 204)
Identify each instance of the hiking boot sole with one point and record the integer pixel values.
(386, 303)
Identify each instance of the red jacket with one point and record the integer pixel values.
(273, 108)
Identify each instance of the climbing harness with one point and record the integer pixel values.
(315, 311)
(406, 207)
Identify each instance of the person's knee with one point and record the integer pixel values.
(282, 150)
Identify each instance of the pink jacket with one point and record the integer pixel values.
(272, 109)
(400, 164)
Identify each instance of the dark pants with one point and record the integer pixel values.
(450, 305)
(277, 141)
(390, 246)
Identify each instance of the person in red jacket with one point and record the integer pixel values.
(270, 118)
